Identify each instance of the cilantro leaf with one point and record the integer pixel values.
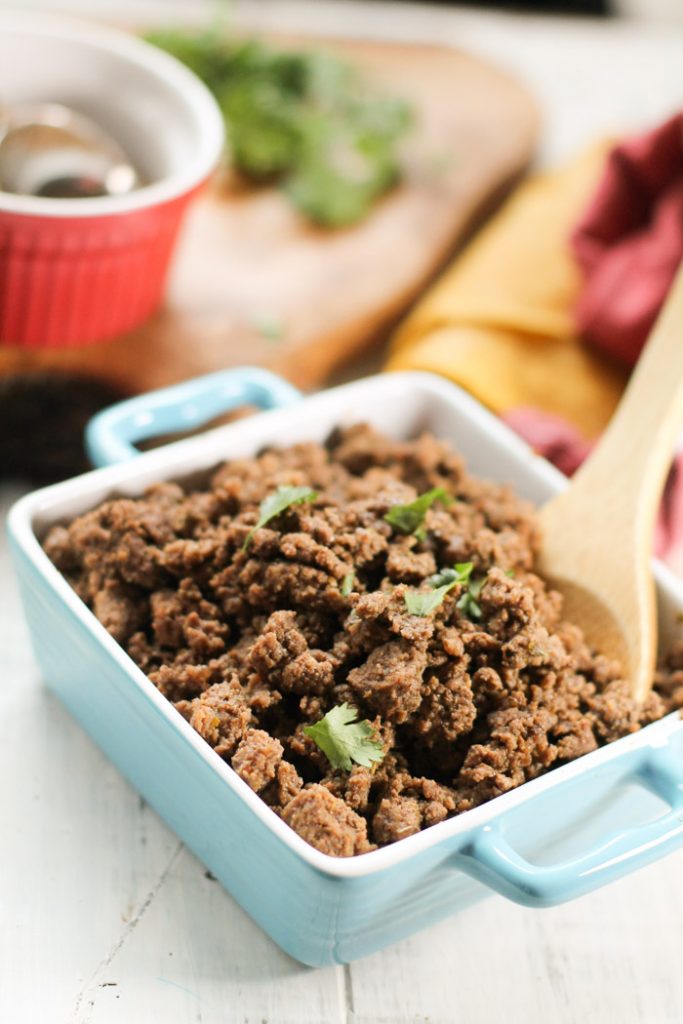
(302, 119)
(425, 604)
(343, 740)
(276, 503)
(410, 518)
(347, 584)
(460, 573)
(468, 602)
(443, 581)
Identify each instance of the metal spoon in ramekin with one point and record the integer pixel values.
(48, 149)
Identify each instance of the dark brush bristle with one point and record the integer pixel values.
(42, 418)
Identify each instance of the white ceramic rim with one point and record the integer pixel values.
(205, 110)
(161, 462)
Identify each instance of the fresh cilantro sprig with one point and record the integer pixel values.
(276, 503)
(410, 518)
(345, 741)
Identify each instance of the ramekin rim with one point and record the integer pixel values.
(183, 82)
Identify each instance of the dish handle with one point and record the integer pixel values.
(491, 859)
(110, 436)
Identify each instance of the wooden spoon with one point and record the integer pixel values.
(597, 535)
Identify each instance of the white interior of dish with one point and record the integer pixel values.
(160, 113)
(401, 405)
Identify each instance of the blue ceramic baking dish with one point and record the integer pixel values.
(552, 839)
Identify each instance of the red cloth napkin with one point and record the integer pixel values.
(629, 242)
(563, 445)
(551, 436)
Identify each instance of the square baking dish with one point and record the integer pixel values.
(552, 839)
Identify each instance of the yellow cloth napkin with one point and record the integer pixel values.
(500, 323)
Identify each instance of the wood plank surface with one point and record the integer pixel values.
(254, 282)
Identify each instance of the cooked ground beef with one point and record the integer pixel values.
(254, 639)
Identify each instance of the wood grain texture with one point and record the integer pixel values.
(248, 261)
(597, 535)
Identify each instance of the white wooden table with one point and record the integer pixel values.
(105, 917)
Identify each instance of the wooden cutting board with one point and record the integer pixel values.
(252, 282)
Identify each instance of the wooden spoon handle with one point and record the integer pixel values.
(629, 467)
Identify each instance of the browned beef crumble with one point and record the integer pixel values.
(251, 645)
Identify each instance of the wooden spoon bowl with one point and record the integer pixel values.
(597, 535)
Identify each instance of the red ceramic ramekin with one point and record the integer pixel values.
(74, 271)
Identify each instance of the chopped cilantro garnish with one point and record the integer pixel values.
(460, 573)
(442, 582)
(304, 119)
(276, 503)
(468, 602)
(425, 604)
(410, 518)
(347, 584)
(345, 741)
